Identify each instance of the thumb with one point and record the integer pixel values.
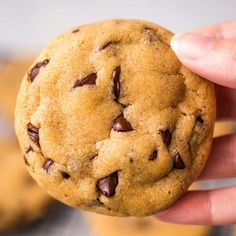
(212, 58)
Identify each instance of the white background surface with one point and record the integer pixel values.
(27, 25)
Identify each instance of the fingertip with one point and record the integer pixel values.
(173, 215)
(209, 57)
(174, 42)
(192, 46)
(163, 216)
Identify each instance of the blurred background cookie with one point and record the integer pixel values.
(11, 73)
(21, 199)
(224, 128)
(148, 226)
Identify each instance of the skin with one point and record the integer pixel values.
(210, 51)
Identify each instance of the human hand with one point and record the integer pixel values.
(211, 52)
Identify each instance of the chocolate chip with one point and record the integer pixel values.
(75, 31)
(178, 162)
(33, 133)
(121, 124)
(107, 185)
(105, 46)
(26, 161)
(131, 160)
(88, 80)
(65, 175)
(35, 70)
(116, 82)
(153, 156)
(92, 158)
(165, 136)
(199, 119)
(48, 163)
(146, 28)
(30, 149)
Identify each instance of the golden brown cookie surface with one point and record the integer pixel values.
(114, 122)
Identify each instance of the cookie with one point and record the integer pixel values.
(224, 128)
(21, 199)
(148, 226)
(11, 73)
(113, 121)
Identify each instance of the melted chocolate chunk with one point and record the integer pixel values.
(165, 136)
(30, 149)
(65, 175)
(116, 82)
(75, 31)
(153, 156)
(88, 80)
(121, 124)
(33, 133)
(107, 185)
(178, 162)
(35, 70)
(199, 119)
(92, 158)
(105, 46)
(48, 163)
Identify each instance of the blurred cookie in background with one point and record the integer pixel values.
(11, 74)
(114, 226)
(224, 128)
(21, 200)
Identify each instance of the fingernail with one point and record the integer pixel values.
(191, 46)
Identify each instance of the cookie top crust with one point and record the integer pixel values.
(116, 124)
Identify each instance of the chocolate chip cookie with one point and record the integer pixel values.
(148, 226)
(21, 199)
(110, 121)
